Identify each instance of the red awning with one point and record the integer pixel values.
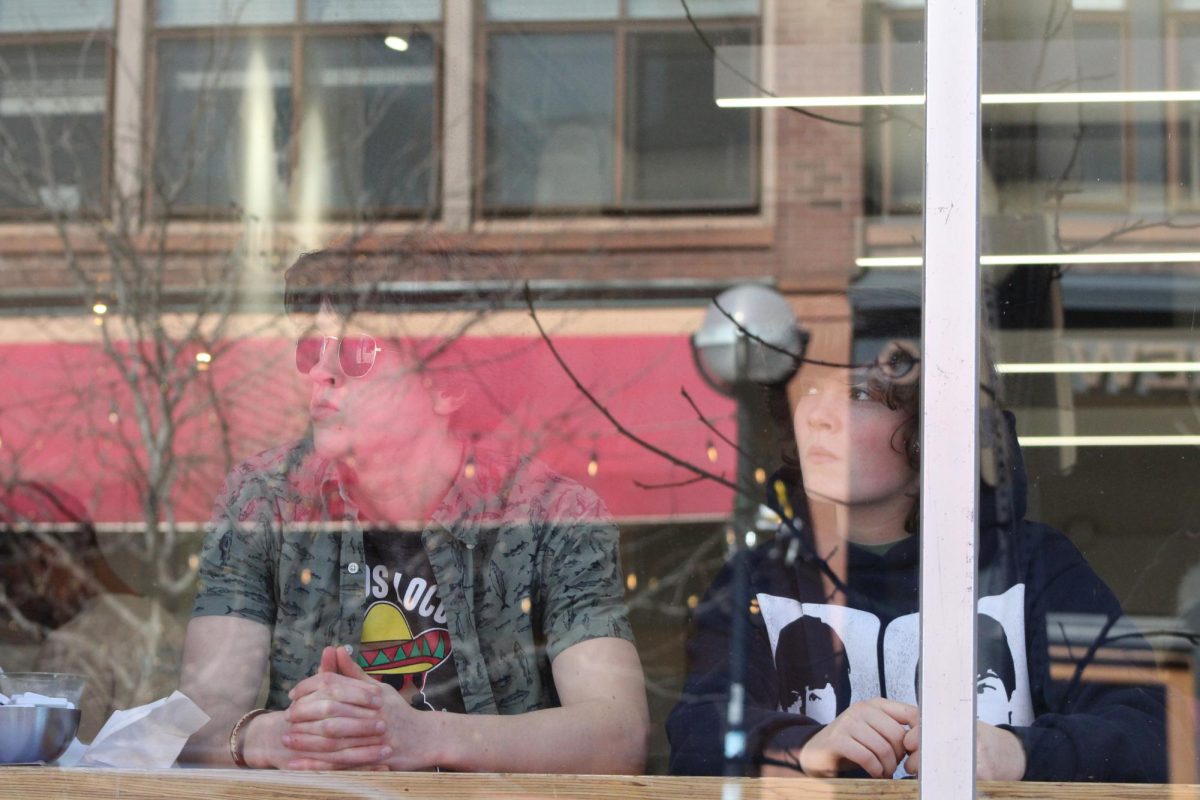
(68, 420)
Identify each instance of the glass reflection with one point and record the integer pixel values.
(375, 584)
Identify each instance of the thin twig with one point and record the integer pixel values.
(672, 485)
(708, 424)
(616, 423)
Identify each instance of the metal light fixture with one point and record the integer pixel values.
(749, 338)
(749, 335)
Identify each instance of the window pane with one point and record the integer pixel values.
(183, 13)
(224, 110)
(529, 10)
(373, 10)
(902, 128)
(1072, 149)
(1101, 158)
(674, 125)
(1188, 149)
(549, 120)
(699, 8)
(1090, 468)
(55, 15)
(374, 110)
(52, 132)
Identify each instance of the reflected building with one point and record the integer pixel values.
(610, 165)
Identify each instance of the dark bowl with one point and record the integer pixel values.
(31, 735)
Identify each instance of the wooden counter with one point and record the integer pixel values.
(48, 783)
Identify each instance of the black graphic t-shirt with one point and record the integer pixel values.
(405, 643)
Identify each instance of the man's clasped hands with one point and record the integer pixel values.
(341, 718)
(877, 735)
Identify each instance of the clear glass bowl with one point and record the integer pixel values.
(36, 735)
(51, 684)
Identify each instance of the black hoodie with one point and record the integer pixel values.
(1071, 730)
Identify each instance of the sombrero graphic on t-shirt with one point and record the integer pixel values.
(389, 647)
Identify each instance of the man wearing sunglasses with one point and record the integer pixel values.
(383, 566)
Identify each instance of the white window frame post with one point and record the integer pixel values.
(128, 112)
(950, 399)
(458, 20)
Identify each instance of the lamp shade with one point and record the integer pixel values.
(754, 323)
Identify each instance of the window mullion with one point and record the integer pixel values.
(129, 51)
(950, 399)
(458, 72)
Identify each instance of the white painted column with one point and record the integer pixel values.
(457, 114)
(129, 75)
(950, 399)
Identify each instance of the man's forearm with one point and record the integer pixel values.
(587, 738)
(223, 663)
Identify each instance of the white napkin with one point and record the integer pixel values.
(146, 737)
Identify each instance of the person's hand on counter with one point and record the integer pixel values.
(999, 754)
(869, 734)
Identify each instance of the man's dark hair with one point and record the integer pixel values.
(336, 277)
(809, 655)
(351, 281)
(994, 657)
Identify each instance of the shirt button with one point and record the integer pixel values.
(353, 568)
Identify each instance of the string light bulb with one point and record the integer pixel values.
(469, 464)
(593, 466)
(760, 475)
(711, 451)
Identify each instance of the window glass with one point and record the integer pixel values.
(224, 124)
(531, 10)
(628, 139)
(53, 100)
(372, 10)
(901, 128)
(543, 350)
(698, 8)
(373, 110)
(550, 120)
(185, 13)
(673, 125)
(1101, 131)
(1188, 149)
(1080, 302)
(55, 15)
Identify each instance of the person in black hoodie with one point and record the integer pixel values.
(847, 556)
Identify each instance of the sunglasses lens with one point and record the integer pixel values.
(357, 355)
(308, 353)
